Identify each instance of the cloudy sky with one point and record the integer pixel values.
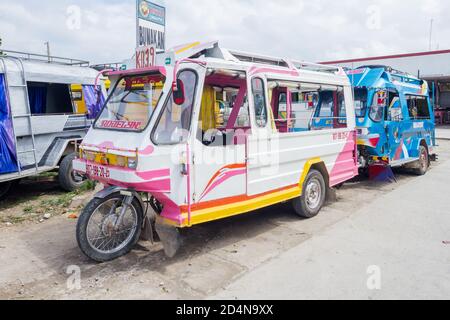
(318, 30)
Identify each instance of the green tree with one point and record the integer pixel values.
(1, 52)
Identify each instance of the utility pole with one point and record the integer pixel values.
(48, 51)
(431, 35)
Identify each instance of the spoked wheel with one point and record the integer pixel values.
(314, 195)
(423, 162)
(109, 228)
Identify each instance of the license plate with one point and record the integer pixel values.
(97, 171)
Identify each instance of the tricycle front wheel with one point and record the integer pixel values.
(109, 228)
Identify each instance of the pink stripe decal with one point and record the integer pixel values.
(171, 210)
(346, 166)
(161, 186)
(399, 151)
(106, 145)
(155, 174)
(147, 151)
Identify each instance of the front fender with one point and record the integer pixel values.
(111, 190)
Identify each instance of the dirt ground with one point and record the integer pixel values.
(38, 255)
(39, 198)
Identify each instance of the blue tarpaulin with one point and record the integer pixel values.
(38, 99)
(94, 100)
(8, 157)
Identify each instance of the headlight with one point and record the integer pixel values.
(90, 156)
(132, 163)
(121, 161)
(104, 160)
(86, 155)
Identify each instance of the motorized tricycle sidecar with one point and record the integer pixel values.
(196, 138)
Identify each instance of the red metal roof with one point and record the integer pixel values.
(397, 56)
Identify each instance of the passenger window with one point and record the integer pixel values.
(304, 100)
(331, 111)
(224, 114)
(378, 105)
(50, 98)
(342, 110)
(394, 107)
(418, 107)
(226, 99)
(360, 100)
(259, 100)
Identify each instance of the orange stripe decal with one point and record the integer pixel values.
(223, 174)
(230, 200)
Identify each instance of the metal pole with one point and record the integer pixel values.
(48, 51)
(137, 24)
(431, 34)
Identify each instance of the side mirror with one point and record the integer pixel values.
(178, 92)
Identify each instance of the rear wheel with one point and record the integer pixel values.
(100, 235)
(5, 187)
(423, 163)
(69, 180)
(313, 197)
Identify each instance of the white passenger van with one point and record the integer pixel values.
(42, 117)
(159, 136)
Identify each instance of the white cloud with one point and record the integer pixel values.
(312, 30)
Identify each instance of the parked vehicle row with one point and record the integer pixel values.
(205, 133)
(208, 133)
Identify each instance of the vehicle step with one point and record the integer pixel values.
(22, 116)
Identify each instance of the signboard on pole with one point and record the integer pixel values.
(151, 24)
(145, 57)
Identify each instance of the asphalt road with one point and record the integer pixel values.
(395, 236)
(396, 247)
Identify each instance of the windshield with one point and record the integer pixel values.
(174, 122)
(360, 102)
(131, 103)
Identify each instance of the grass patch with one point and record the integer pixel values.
(63, 201)
(14, 219)
(34, 208)
(28, 209)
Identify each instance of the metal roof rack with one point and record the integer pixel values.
(257, 58)
(104, 66)
(403, 76)
(282, 62)
(315, 66)
(44, 58)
